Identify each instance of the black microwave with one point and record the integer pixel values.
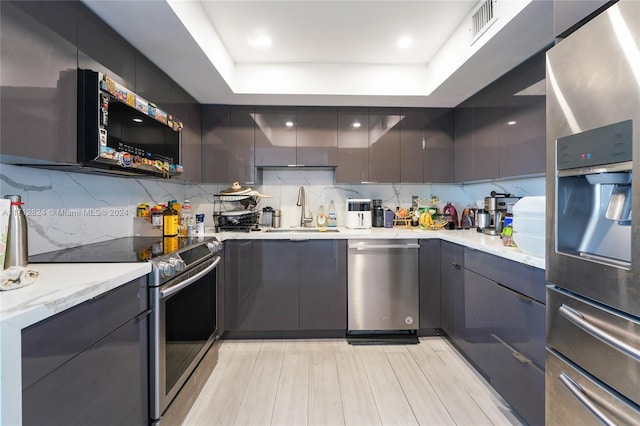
(122, 132)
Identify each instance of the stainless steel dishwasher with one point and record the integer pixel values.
(382, 285)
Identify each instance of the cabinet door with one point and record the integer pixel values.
(191, 155)
(353, 145)
(451, 287)
(275, 136)
(275, 303)
(102, 49)
(463, 144)
(241, 147)
(239, 288)
(522, 139)
(323, 284)
(105, 384)
(485, 142)
(152, 83)
(317, 136)
(38, 81)
(430, 283)
(438, 158)
(476, 324)
(215, 144)
(384, 145)
(412, 144)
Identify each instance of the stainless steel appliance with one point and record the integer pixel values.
(183, 298)
(123, 133)
(593, 249)
(495, 209)
(183, 303)
(382, 285)
(359, 213)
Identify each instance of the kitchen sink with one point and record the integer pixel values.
(291, 230)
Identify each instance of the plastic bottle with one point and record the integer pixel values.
(186, 225)
(321, 217)
(170, 221)
(333, 220)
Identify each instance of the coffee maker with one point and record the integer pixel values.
(496, 208)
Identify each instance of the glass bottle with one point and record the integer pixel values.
(170, 220)
(333, 220)
(186, 225)
(321, 218)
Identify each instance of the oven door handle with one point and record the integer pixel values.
(176, 288)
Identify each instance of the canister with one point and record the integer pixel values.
(267, 216)
(276, 219)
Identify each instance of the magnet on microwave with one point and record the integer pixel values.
(103, 137)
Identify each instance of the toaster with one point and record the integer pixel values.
(359, 213)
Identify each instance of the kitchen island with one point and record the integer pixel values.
(59, 287)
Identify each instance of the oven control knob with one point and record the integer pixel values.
(166, 269)
(178, 264)
(214, 246)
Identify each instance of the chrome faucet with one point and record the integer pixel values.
(305, 221)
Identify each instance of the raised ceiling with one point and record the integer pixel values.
(330, 52)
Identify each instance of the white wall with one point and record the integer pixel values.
(69, 209)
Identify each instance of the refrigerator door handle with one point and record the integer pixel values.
(577, 318)
(576, 390)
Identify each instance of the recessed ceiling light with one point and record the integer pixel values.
(138, 120)
(356, 124)
(405, 42)
(261, 41)
(511, 123)
(289, 124)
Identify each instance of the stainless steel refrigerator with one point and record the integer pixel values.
(593, 238)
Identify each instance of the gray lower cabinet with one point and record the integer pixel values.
(493, 310)
(283, 285)
(88, 364)
(430, 284)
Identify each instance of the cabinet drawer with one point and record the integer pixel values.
(520, 383)
(481, 263)
(522, 278)
(106, 384)
(51, 342)
(521, 324)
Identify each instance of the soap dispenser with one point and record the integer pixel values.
(321, 217)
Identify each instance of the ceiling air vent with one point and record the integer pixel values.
(482, 18)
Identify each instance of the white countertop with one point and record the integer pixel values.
(59, 286)
(470, 238)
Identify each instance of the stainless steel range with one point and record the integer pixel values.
(183, 295)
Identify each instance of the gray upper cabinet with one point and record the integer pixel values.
(412, 144)
(275, 137)
(384, 145)
(463, 144)
(38, 81)
(241, 151)
(438, 154)
(500, 131)
(353, 145)
(317, 136)
(570, 15)
(101, 49)
(485, 142)
(215, 143)
(228, 134)
(153, 84)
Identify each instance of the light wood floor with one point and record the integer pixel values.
(329, 382)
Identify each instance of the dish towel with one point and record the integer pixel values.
(16, 277)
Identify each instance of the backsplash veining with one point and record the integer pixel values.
(68, 209)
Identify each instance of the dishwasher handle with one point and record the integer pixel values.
(384, 246)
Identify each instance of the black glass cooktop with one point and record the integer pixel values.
(120, 250)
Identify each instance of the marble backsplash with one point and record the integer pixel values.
(67, 209)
